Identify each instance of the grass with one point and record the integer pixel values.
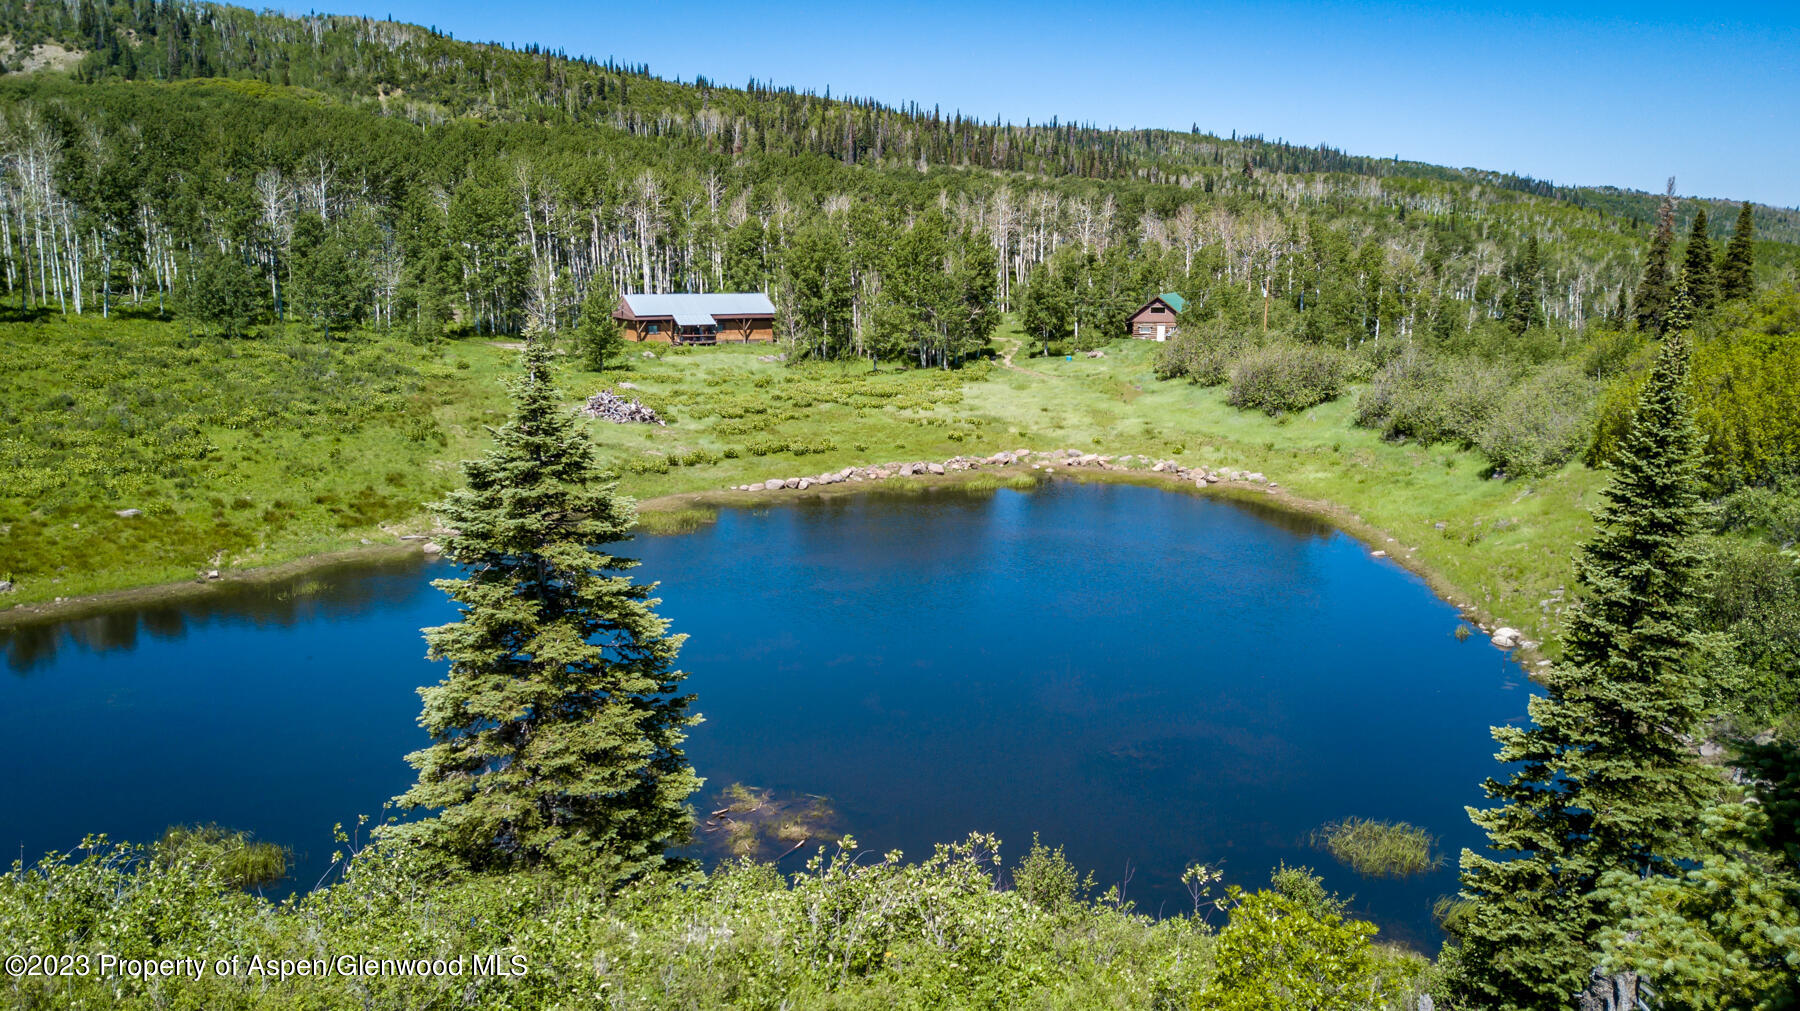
(1380, 849)
(310, 447)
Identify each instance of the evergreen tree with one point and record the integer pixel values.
(1606, 781)
(556, 735)
(322, 286)
(597, 332)
(223, 293)
(1737, 272)
(1653, 291)
(1726, 933)
(1697, 265)
(1525, 303)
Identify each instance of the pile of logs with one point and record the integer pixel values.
(612, 407)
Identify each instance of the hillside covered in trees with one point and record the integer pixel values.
(374, 173)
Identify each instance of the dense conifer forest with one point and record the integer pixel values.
(259, 272)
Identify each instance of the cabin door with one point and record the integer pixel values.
(1162, 331)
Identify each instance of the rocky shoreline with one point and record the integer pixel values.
(1045, 460)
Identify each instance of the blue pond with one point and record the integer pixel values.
(1146, 678)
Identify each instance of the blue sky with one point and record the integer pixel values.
(1591, 93)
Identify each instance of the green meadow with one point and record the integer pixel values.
(240, 454)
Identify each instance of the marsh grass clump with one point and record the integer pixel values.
(675, 521)
(235, 858)
(1380, 849)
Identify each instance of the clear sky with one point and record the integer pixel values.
(1580, 92)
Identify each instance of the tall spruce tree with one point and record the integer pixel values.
(557, 734)
(1737, 272)
(1605, 779)
(1653, 292)
(1697, 265)
(597, 333)
(1525, 303)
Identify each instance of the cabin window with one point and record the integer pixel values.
(653, 328)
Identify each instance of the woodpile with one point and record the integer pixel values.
(610, 406)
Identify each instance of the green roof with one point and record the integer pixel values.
(1175, 300)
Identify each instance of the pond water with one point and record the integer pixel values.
(1146, 678)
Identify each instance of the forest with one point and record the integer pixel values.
(229, 238)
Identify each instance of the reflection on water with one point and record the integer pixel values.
(316, 594)
(1147, 679)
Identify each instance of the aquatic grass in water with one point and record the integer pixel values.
(237, 859)
(675, 521)
(1380, 849)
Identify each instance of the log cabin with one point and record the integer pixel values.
(1156, 320)
(689, 318)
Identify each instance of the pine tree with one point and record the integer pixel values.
(1653, 291)
(1737, 272)
(556, 735)
(1697, 265)
(1606, 781)
(597, 333)
(1524, 303)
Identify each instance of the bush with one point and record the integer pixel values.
(1431, 400)
(1287, 377)
(1204, 358)
(1542, 423)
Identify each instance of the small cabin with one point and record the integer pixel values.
(1156, 320)
(694, 318)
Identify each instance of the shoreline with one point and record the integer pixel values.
(1376, 541)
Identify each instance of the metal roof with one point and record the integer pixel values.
(690, 309)
(1174, 299)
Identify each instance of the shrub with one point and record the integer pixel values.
(648, 465)
(1287, 377)
(1431, 400)
(1541, 424)
(694, 458)
(1204, 355)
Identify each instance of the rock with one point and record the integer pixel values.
(128, 513)
(431, 547)
(773, 484)
(1711, 749)
(365, 540)
(1256, 476)
(1378, 554)
(1096, 353)
(1440, 525)
(1505, 638)
(212, 574)
(6, 586)
(804, 483)
(649, 354)
(792, 482)
(935, 468)
(628, 386)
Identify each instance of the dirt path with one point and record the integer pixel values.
(1006, 359)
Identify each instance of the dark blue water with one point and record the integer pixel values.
(1148, 679)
